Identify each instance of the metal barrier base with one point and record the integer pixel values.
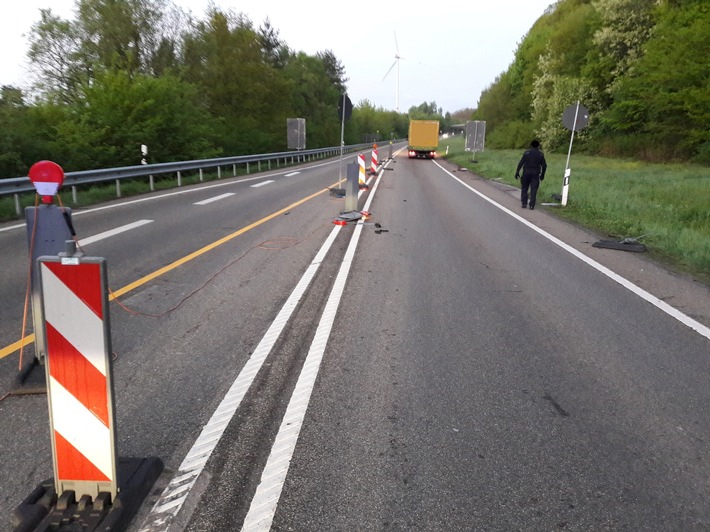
(31, 379)
(44, 511)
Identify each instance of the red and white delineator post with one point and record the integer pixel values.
(361, 162)
(74, 295)
(373, 165)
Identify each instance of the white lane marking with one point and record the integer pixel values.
(113, 232)
(177, 491)
(643, 294)
(178, 193)
(292, 174)
(215, 198)
(263, 506)
(263, 183)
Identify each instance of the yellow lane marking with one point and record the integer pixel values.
(30, 338)
(27, 340)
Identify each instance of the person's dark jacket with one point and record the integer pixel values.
(533, 164)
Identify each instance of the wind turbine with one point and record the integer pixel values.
(397, 57)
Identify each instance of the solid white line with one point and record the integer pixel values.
(216, 198)
(643, 294)
(177, 491)
(292, 174)
(263, 183)
(113, 232)
(263, 506)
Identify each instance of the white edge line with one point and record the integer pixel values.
(168, 506)
(643, 294)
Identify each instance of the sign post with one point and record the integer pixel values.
(574, 118)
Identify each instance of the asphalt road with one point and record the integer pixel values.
(477, 375)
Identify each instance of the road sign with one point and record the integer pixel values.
(575, 117)
(296, 133)
(475, 135)
(345, 105)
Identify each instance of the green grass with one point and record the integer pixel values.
(668, 205)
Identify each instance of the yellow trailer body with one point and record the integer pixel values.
(423, 139)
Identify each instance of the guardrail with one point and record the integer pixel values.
(21, 185)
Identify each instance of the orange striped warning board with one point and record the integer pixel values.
(374, 162)
(361, 163)
(78, 364)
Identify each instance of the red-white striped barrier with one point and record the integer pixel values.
(361, 162)
(373, 167)
(78, 365)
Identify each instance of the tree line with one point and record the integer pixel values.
(640, 66)
(123, 73)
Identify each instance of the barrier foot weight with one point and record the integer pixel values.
(31, 379)
(44, 511)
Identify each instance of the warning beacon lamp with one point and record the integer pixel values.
(47, 177)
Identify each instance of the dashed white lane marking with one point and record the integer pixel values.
(263, 506)
(643, 294)
(215, 198)
(113, 232)
(176, 193)
(177, 491)
(264, 183)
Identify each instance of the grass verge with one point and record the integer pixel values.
(665, 206)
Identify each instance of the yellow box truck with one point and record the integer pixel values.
(423, 139)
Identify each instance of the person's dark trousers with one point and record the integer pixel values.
(532, 182)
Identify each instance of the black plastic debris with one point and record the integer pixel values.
(627, 244)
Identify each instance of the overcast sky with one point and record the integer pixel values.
(451, 50)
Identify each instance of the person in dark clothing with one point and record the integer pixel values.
(534, 167)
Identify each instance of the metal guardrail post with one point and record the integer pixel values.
(234, 170)
(118, 188)
(258, 163)
(17, 204)
(74, 195)
(247, 168)
(201, 175)
(219, 172)
(179, 178)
